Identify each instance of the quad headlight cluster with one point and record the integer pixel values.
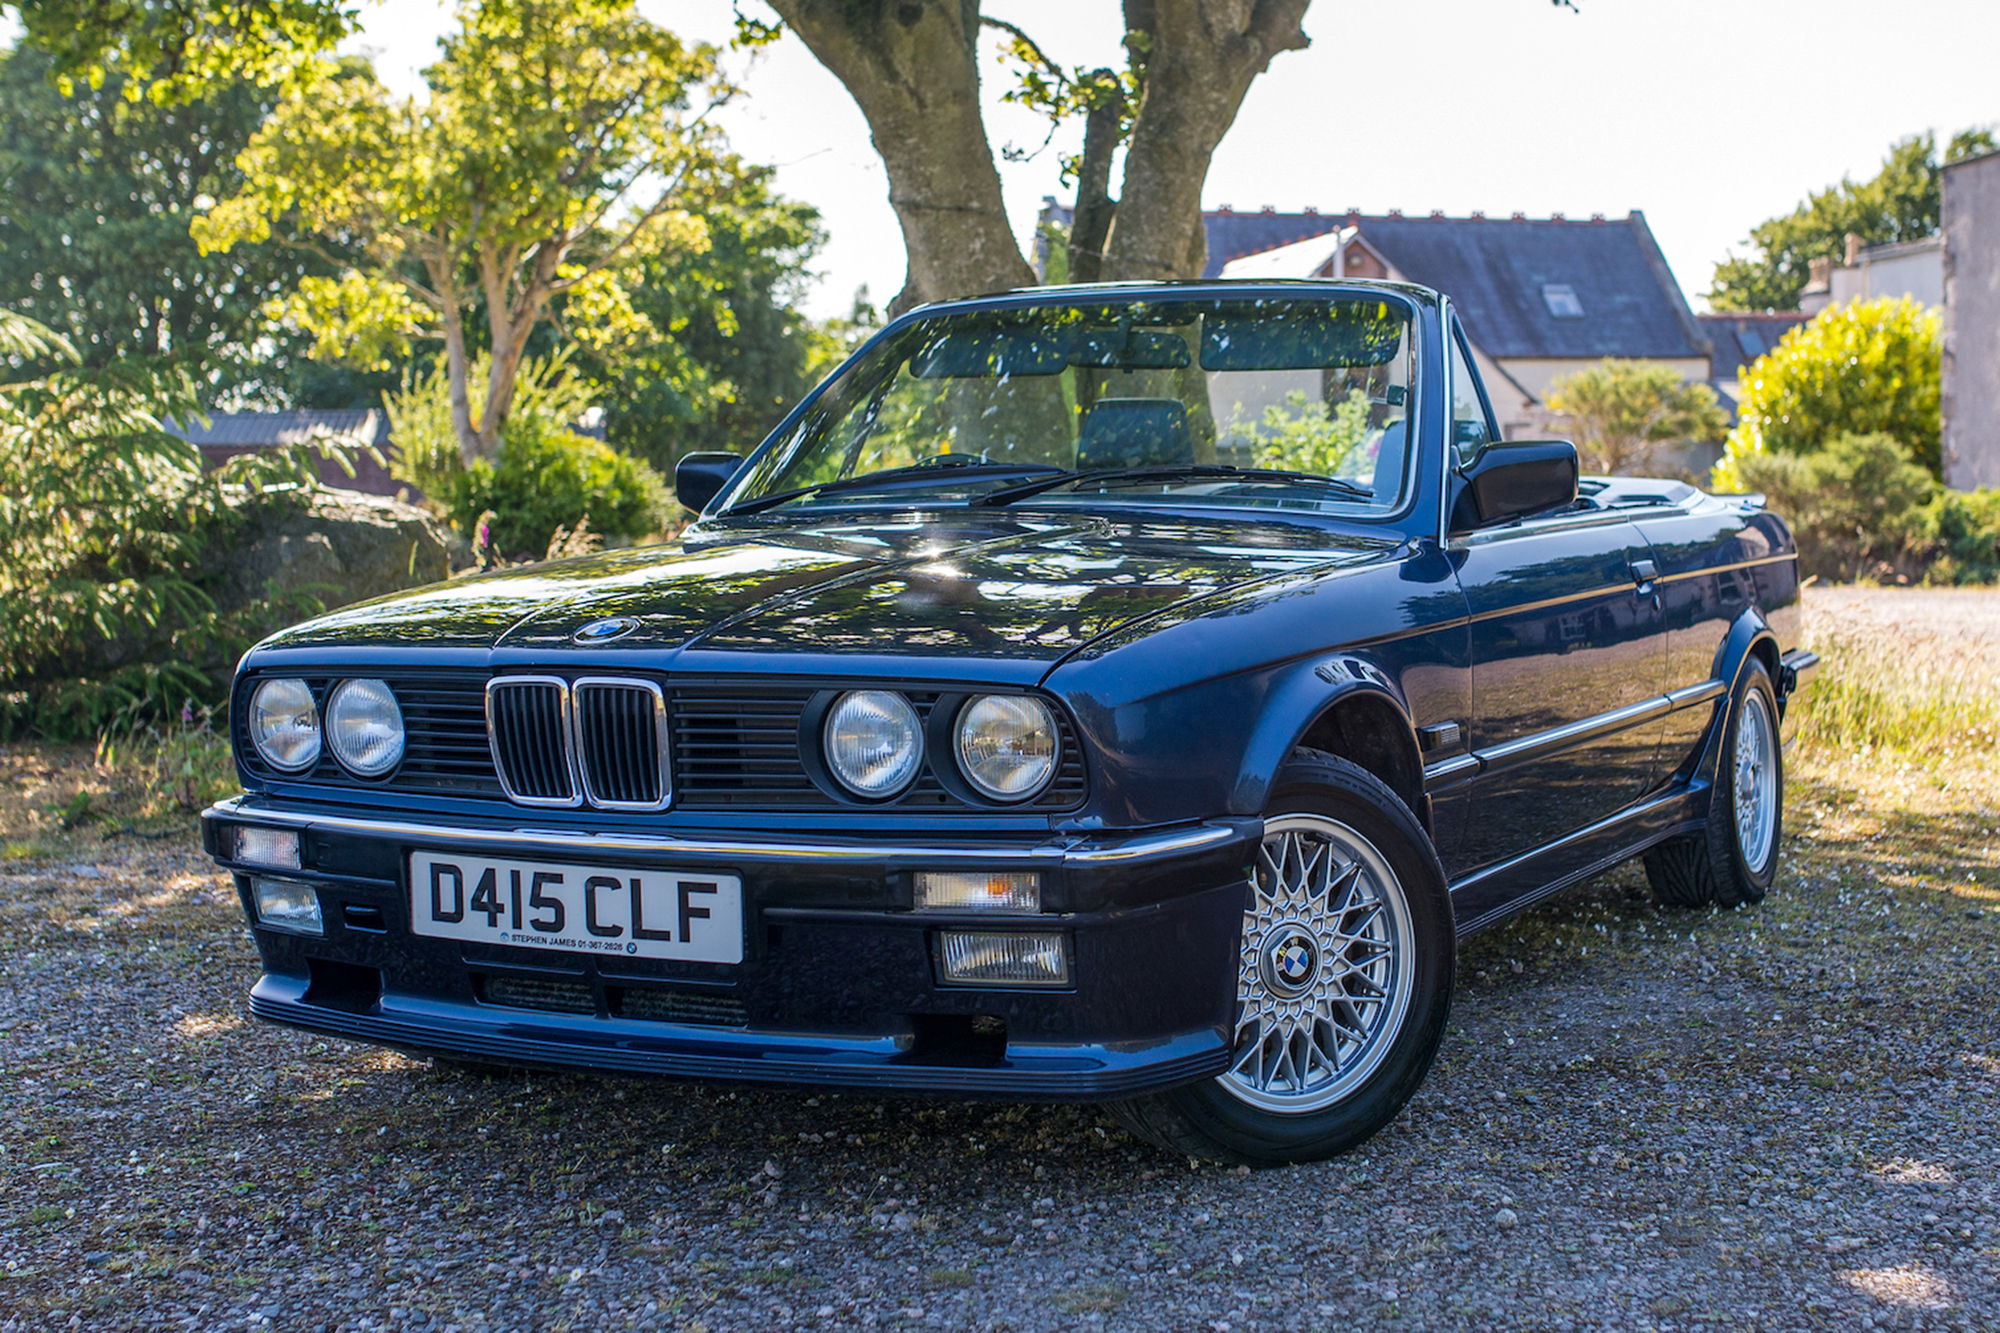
(363, 726)
(1005, 745)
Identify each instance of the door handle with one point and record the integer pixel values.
(1643, 574)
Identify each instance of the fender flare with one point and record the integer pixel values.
(1749, 636)
(1299, 699)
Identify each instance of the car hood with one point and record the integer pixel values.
(984, 587)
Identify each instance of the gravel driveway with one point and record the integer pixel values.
(1780, 1118)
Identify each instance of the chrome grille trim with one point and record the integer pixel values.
(622, 758)
(530, 740)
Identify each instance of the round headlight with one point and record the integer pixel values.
(284, 725)
(1007, 745)
(874, 744)
(365, 726)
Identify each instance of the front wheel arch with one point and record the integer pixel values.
(1210, 1119)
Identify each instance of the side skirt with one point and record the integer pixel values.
(1497, 892)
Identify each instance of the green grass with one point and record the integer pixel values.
(1876, 693)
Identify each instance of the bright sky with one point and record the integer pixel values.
(1710, 115)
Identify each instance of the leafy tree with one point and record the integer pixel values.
(172, 50)
(1900, 203)
(911, 66)
(1861, 368)
(94, 231)
(1622, 412)
(727, 349)
(558, 135)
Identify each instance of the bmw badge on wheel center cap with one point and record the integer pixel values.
(604, 631)
(1291, 961)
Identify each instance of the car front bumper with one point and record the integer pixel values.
(839, 985)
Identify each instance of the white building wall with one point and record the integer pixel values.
(1915, 270)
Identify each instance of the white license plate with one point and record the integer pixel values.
(688, 916)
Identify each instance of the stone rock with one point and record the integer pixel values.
(339, 546)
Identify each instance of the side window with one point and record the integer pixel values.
(1469, 430)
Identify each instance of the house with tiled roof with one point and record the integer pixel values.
(1539, 297)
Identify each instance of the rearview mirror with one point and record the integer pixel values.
(1515, 478)
(699, 478)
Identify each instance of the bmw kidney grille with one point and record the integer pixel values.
(597, 739)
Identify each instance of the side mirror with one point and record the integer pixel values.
(699, 478)
(1515, 478)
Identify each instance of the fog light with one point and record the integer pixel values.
(979, 891)
(288, 905)
(277, 848)
(975, 959)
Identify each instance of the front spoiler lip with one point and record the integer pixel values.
(1070, 1073)
(1079, 851)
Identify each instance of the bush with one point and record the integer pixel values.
(1853, 505)
(1865, 367)
(547, 478)
(1964, 529)
(107, 528)
(551, 480)
(1863, 507)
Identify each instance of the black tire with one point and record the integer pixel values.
(1210, 1121)
(1713, 867)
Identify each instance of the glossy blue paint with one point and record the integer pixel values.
(1515, 684)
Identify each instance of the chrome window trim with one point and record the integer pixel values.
(575, 798)
(661, 733)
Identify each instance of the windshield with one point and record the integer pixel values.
(1290, 402)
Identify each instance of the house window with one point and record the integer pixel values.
(1561, 300)
(1752, 343)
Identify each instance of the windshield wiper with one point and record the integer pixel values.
(938, 463)
(1163, 472)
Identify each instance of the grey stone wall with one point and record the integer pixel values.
(1972, 323)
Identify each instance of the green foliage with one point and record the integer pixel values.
(558, 134)
(1859, 368)
(177, 50)
(1863, 508)
(1964, 532)
(725, 349)
(1624, 411)
(106, 525)
(183, 765)
(550, 480)
(1857, 503)
(550, 398)
(1304, 436)
(1900, 203)
(98, 190)
(547, 476)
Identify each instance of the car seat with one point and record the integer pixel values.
(1134, 432)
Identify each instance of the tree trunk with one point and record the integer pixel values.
(1204, 55)
(457, 371)
(1094, 204)
(912, 66)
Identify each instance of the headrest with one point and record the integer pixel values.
(1134, 432)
